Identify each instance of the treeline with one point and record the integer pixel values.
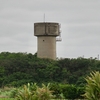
(21, 68)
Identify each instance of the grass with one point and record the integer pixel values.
(51, 99)
(7, 99)
(5, 93)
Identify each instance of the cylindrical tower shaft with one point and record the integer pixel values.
(47, 47)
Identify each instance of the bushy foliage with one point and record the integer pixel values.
(67, 91)
(17, 69)
(6, 92)
(55, 87)
(25, 93)
(34, 92)
(43, 93)
(92, 91)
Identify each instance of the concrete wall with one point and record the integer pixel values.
(46, 29)
(46, 47)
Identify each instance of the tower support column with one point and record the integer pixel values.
(46, 47)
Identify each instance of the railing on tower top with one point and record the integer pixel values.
(59, 39)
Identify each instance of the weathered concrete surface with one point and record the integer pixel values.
(47, 47)
(46, 37)
(46, 29)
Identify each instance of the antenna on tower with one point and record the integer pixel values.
(44, 18)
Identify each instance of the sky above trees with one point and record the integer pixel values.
(79, 19)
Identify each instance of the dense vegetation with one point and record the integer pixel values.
(21, 68)
(32, 91)
(54, 91)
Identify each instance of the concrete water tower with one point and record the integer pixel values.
(46, 33)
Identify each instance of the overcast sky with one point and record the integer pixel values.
(79, 19)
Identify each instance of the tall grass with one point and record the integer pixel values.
(92, 91)
(7, 99)
(5, 93)
(34, 92)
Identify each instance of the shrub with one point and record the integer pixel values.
(34, 92)
(69, 91)
(80, 92)
(92, 91)
(62, 91)
(43, 93)
(26, 93)
(56, 90)
(13, 93)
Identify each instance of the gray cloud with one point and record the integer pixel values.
(80, 22)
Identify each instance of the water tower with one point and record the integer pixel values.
(46, 33)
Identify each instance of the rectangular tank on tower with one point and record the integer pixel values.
(46, 29)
